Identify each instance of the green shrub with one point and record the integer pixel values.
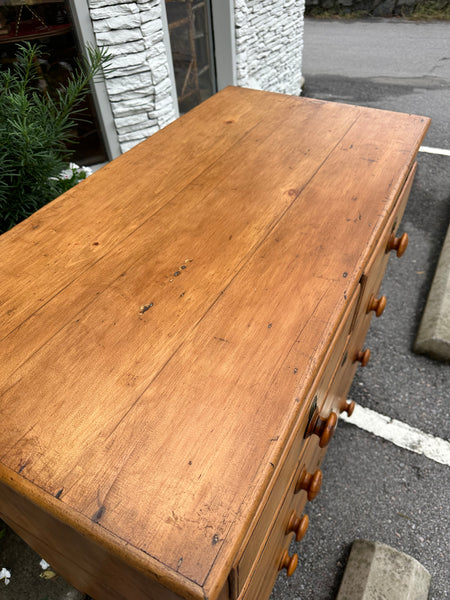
(34, 131)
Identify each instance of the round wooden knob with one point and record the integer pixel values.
(324, 428)
(328, 430)
(377, 305)
(297, 525)
(399, 244)
(289, 563)
(363, 357)
(311, 483)
(348, 407)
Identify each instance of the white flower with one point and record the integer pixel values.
(76, 169)
(87, 170)
(5, 574)
(44, 564)
(68, 173)
(73, 169)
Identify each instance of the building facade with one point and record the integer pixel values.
(169, 56)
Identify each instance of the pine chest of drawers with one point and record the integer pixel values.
(179, 333)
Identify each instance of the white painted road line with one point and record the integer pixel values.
(400, 434)
(429, 150)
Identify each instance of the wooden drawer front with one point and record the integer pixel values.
(313, 458)
(353, 352)
(370, 285)
(308, 462)
(267, 566)
(336, 349)
(262, 581)
(374, 271)
(295, 456)
(336, 398)
(256, 542)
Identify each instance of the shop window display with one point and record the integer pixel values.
(49, 25)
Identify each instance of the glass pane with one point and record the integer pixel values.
(48, 24)
(190, 41)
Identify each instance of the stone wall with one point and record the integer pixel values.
(269, 44)
(375, 8)
(138, 82)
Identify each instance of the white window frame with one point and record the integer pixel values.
(85, 33)
(224, 42)
(224, 45)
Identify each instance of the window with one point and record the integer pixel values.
(192, 51)
(48, 23)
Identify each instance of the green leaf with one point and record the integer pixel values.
(35, 129)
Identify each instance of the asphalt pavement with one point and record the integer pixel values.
(373, 489)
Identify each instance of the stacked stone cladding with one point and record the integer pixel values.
(138, 81)
(269, 44)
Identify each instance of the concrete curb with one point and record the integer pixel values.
(375, 571)
(433, 337)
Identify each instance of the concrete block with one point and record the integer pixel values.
(116, 10)
(140, 135)
(433, 337)
(127, 48)
(119, 85)
(117, 23)
(110, 38)
(375, 571)
(151, 27)
(132, 59)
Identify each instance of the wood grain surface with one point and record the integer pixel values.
(162, 321)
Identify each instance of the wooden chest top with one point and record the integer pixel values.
(162, 322)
